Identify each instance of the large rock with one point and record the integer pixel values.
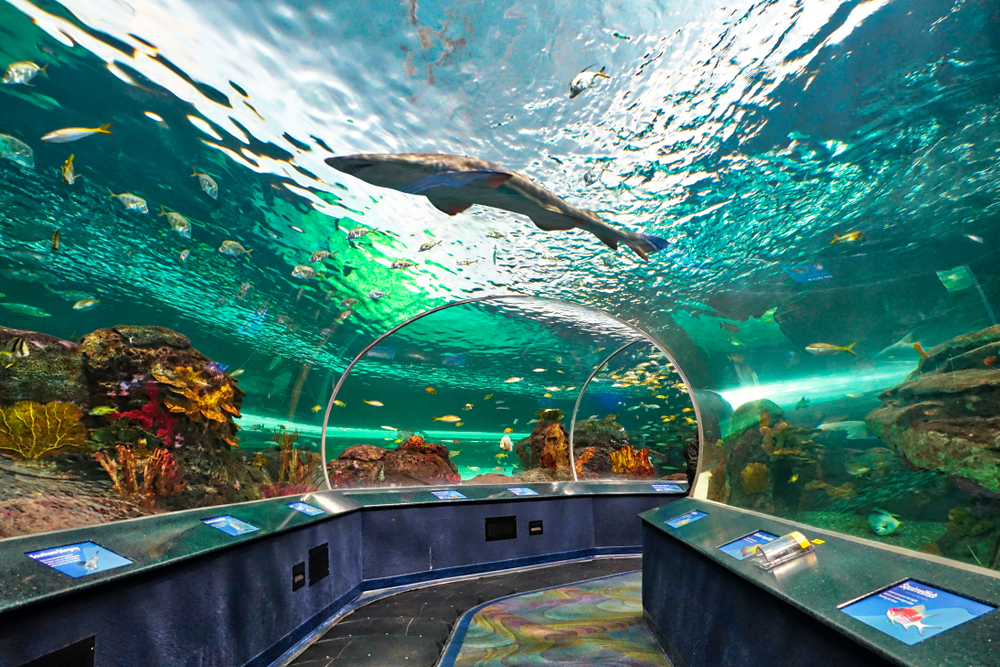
(421, 462)
(52, 371)
(946, 415)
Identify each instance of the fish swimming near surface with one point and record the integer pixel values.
(67, 172)
(86, 304)
(184, 255)
(340, 404)
(207, 183)
(319, 256)
(17, 151)
(849, 237)
(304, 271)
(506, 444)
(585, 80)
(823, 349)
(911, 617)
(448, 419)
(316, 408)
(376, 294)
(55, 241)
(131, 202)
(882, 523)
(401, 264)
(430, 390)
(234, 249)
(177, 222)
(23, 72)
(24, 309)
(454, 183)
(377, 404)
(359, 232)
(68, 134)
(512, 380)
(427, 246)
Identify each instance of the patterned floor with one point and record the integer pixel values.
(590, 624)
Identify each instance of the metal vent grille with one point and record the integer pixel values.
(319, 562)
(501, 528)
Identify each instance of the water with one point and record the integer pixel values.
(747, 135)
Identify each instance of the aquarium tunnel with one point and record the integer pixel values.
(463, 333)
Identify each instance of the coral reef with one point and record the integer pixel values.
(418, 461)
(359, 465)
(296, 468)
(160, 475)
(629, 461)
(602, 437)
(548, 445)
(151, 416)
(946, 415)
(755, 478)
(30, 430)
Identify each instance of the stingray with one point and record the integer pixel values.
(453, 183)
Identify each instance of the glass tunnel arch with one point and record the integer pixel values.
(639, 336)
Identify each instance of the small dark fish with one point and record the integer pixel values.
(348, 268)
(347, 303)
(55, 241)
(731, 328)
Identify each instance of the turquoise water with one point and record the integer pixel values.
(752, 137)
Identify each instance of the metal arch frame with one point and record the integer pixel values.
(497, 297)
(576, 408)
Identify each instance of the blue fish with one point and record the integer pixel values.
(215, 367)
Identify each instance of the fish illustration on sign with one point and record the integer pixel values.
(454, 183)
(911, 617)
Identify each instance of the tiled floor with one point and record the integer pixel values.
(410, 628)
(591, 624)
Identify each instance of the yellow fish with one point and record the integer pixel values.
(661, 396)
(448, 419)
(377, 404)
(547, 395)
(849, 237)
(430, 390)
(512, 380)
(68, 134)
(487, 397)
(68, 175)
(828, 348)
(794, 479)
(316, 408)
(459, 424)
(688, 420)
(102, 410)
(508, 430)
(454, 453)
(501, 455)
(340, 404)
(688, 410)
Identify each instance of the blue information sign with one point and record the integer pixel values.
(686, 518)
(448, 495)
(667, 488)
(522, 491)
(79, 560)
(912, 612)
(747, 545)
(230, 525)
(306, 509)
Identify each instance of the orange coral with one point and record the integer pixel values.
(583, 459)
(160, 475)
(629, 461)
(293, 467)
(31, 430)
(190, 395)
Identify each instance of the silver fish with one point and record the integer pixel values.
(585, 80)
(453, 183)
(207, 184)
(358, 232)
(304, 271)
(427, 246)
(22, 72)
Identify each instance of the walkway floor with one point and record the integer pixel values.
(591, 624)
(411, 627)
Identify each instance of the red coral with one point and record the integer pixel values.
(151, 415)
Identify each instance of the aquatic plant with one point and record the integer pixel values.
(755, 478)
(585, 456)
(295, 467)
(152, 416)
(160, 475)
(31, 430)
(630, 461)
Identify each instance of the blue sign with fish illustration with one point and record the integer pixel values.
(522, 491)
(306, 508)
(686, 518)
(667, 488)
(807, 274)
(230, 525)
(747, 545)
(912, 612)
(448, 495)
(79, 560)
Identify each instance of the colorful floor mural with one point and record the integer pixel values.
(590, 624)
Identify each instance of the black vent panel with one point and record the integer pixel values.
(501, 528)
(80, 654)
(319, 563)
